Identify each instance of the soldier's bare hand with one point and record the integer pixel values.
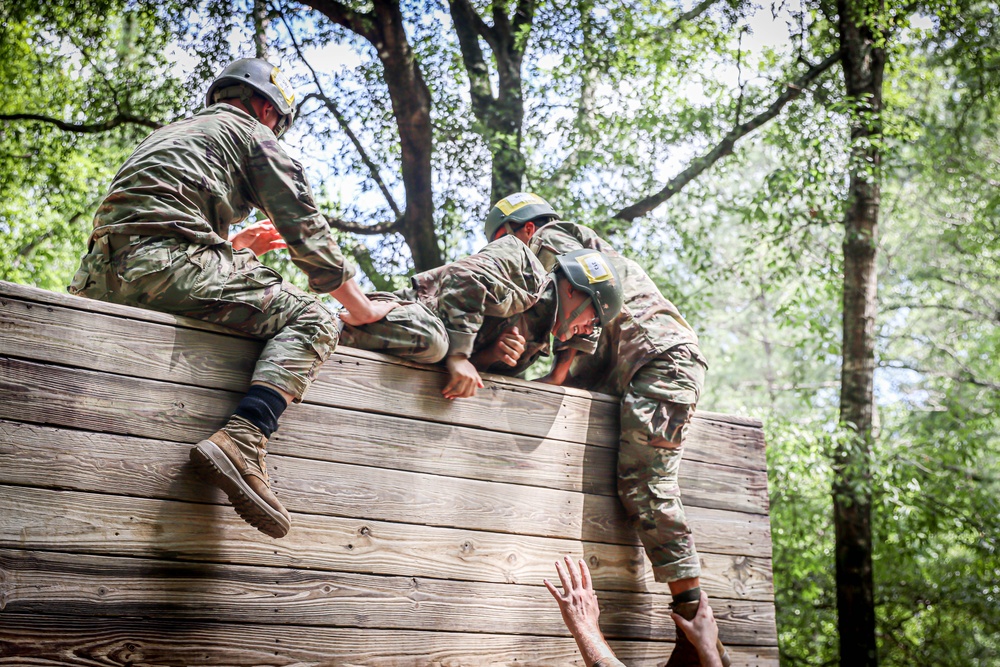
(368, 312)
(577, 601)
(510, 346)
(507, 349)
(464, 378)
(261, 237)
(703, 631)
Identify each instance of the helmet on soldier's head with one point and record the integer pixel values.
(248, 76)
(517, 208)
(592, 272)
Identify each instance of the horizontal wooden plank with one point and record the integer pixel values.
(708, 476)
(63, 641)
(77, 522)
(42, 582)
(49, 298)
(734, 420)
(190, 356)
(67, 336)
(38, 456)
(83, 399)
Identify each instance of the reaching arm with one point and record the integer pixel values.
(360, 309)
(560, 367)
(580, 612)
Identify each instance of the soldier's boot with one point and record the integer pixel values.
(233, 460)
(685, 654)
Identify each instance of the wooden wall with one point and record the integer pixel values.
(421, 528)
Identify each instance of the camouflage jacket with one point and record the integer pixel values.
(195, 178)
(647, 326)
(500, 281)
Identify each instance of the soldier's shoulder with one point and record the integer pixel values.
(510, 250)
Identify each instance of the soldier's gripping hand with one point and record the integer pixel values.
(261, 237)
(464, 377)
(507, 349)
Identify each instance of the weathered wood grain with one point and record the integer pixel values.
(418, 523)
(155, 409)
(36, 582)
(64, 641)
(32, 455)
(103, 524)
(62, 335)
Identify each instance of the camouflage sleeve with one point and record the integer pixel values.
(280, 189)
(501, 280)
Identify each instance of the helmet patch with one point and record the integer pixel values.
(282, 83)
(508, 205)
(595, 267)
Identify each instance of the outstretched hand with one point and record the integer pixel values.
(577, 602)
(261, 237)
(580, 611)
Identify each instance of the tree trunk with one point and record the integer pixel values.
(499, 119)
(411, 107)
(863, 63)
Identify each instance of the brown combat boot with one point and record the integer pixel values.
(685, 654)
(233, 460)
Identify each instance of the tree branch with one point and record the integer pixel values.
(358, 228)
(93, 128)
(358, 22)
(725, 147)
(468, 27)
(329, 103)
(363, 258)
(689, 15)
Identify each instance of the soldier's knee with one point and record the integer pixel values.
(321, 328)
(434, 349)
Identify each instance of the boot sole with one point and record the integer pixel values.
(216, 468)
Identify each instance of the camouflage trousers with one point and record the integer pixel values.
(218, 285)
(657, 408)
(411, 330)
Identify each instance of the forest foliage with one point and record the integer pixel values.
(716, 156)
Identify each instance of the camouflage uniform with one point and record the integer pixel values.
(445, 309)
(160, 240)
(650, 357)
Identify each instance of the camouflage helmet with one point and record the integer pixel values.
(592, 272)
(245, 77)
(517, 208)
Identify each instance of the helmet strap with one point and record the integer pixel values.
(564, 325)
(506, 225)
